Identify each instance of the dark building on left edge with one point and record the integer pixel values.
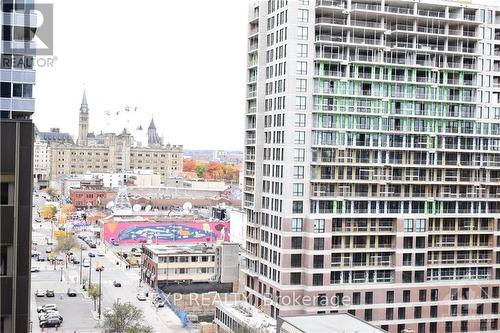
(17, 105)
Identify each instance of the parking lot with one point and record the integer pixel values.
(76, 311)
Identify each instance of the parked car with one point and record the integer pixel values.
(51, 322)
(92, 245)
(41, 258)
(35, 253)
(114, 243)
(117, 284)
(35, 269)
(49, 242)
(40, 293)
(141, 296)
(100, 253)
(75, 260)
(91, 254)
(46, 307)
(50, 314)
(158, 302)
(50, 293)
(48, 249)
(71, 292)
(107, 311)
(86, 263)
(99, 268)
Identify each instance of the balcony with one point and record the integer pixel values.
(365, 6)
(399, 10)
(431, 13)
(330, 3)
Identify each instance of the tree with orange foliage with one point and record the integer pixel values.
(189, 166)
(68, 209)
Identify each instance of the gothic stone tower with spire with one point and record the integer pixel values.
(153, 137)
(83, 124)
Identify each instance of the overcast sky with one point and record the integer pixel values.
(184, 62)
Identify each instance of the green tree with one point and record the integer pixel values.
(93, 293)
(65, 243)
(125, 318)
(200, 168)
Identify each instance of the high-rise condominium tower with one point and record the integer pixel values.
(16, 163)
(372, 161)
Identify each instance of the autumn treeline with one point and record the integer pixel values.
(212, 170)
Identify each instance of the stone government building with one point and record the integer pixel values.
(104, 152)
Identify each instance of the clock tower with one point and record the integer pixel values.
(83, 124)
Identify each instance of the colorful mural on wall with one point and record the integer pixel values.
(166, 232)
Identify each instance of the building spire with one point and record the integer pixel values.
(84, 100)
(152, 124)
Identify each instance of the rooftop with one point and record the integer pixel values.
(330, 323)
(179, 249)
(249, 315)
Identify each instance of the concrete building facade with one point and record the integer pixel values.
(372, 149)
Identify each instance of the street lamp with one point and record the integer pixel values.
(100, 269)
(90, 271)
(61, 273)
(81, 265)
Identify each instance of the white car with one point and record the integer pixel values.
(46, 307)
(35, 269)
(48, 249)
(86, 264)
(100, 253)
(141, 296)
(40, 293)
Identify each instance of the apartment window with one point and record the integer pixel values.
(420, 242)
(368, 314)
(420, 225)
(484, 292)
(299, 155)
(317, 279)
(301, 50)
(454, 294)
(465, 293)
(407, 259)
(297, 207)
(407, 277)
(300, 102)
(298, 172)
(453, 310)
(356, 298)
(300, 137)
(297, 224)
(298, 190)
(421, 327)
(301, 85)
(296, 243)
(417, 312)
(401, 313)
(464, 327)
(295, 278)
(369, 297)
(406, 296)
(5, 89)
(448, 327)
(494, 308)
(301, 68)
(494, 324)
(318, 261)
(434, 311)
(300, 120)
(408, 242)
(422, 295)
(434, 295)
(465, 309)
(3, 260)
(296, 260)
(389, 314)
(319, 243)
(302, 33)
(419, 259)
(319, 225)
(495, 292)
(408, 225)
(303, 16)
(390, 297)
(480, 309)
(321, 300)
(483, 325)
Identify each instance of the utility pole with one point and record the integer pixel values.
(61, 273)
(99, 269)
(81, 265)
(90, 271)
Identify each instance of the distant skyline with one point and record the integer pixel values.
(182, 62)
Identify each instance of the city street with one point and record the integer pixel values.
(78, 311)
